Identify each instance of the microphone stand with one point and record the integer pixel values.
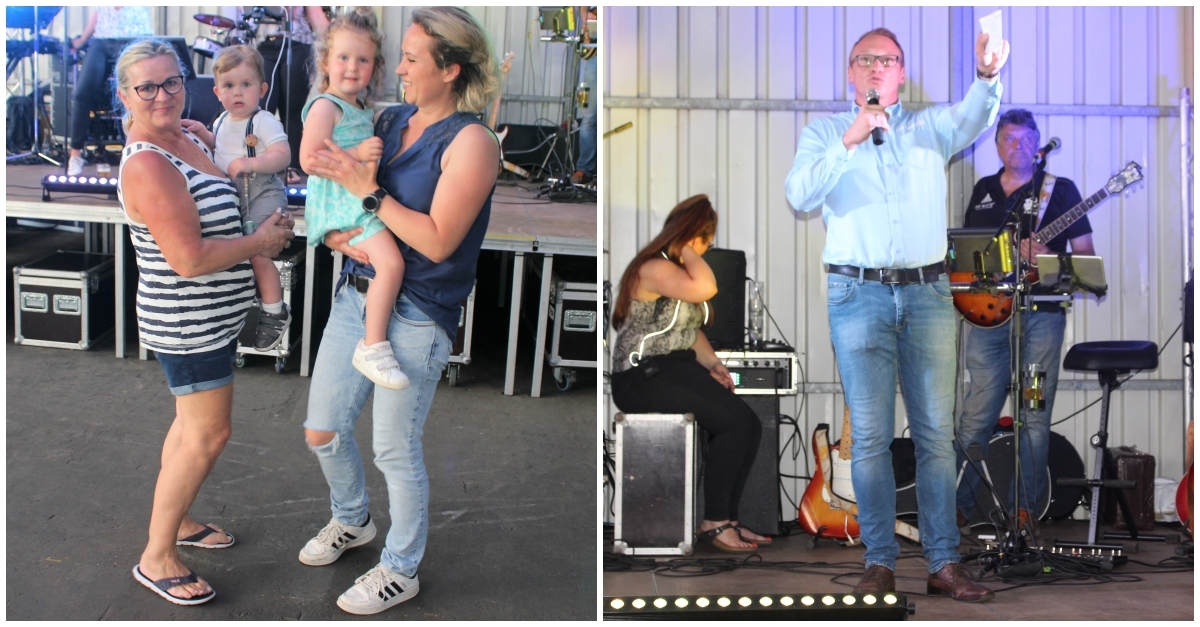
(1014, 543)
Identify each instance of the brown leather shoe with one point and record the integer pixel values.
(877, 580)
(953, 579)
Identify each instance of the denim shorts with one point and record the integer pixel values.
(197, 372)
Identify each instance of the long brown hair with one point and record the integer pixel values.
(692, 218)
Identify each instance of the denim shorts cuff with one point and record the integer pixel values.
(202, 386)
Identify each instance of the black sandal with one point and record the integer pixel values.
(764, 542)
(710, 538)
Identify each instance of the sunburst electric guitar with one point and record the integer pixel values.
(828, 509)
(985, 309)
(505, 66)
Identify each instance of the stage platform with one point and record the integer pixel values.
(1135, 591)
(521, 223)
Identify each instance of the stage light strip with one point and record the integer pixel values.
(296, 195)
(890, 606)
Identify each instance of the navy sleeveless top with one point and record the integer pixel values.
(437, 289)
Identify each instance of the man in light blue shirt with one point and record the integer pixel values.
(890, 311)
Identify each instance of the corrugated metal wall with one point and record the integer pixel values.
(718, 97)
(539, 69)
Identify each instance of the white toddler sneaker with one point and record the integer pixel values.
(378, 364)
(379, 589)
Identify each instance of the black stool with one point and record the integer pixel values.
(1109, 360)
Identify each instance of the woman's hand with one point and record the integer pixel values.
(721, 374)
(337, 165)
(340, 241)
(274, 233)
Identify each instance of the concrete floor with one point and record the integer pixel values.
(1135, 591)
(512, 525)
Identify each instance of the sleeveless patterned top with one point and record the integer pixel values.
(646, 319)
(178, 315)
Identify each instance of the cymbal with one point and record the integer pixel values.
(216, 21)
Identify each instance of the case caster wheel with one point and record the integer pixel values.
(240, 361)
(452, 374)
(280, 364)
(564, 378)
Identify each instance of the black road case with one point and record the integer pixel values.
(65, 300)
(290, 263)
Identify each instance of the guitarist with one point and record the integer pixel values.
(988, 351)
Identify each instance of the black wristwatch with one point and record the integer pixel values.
(373, 201)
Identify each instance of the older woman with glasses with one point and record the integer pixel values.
(194, 289)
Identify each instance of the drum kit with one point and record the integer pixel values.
(224, 32)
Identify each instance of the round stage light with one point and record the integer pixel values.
(291, 190)
(807, 600)
(660, 603)
(848, 599)
(828, 599)
(765, 601)
(745, 601)
(92, 180)
(617, 604)
(681, 602)
(786, 601)
(723, 601)
(51, 178)
(869, 599)
(304, 192)
(890, 599)
(72, 179)
(702, 602)
(639, 603)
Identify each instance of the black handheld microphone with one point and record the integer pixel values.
(876, 133)
(1047, 149)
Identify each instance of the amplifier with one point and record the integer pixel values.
(762, 372)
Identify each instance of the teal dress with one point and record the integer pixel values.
(329, 207)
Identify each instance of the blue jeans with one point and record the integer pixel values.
(587, 128)
(335, 400)
(881, 333)
(989, 359)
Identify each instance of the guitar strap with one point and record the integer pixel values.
(1044, 200)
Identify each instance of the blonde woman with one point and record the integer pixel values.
(194, 289)
(432, 188)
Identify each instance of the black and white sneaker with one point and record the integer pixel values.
(378, 590)
(271, 327)
(333, 539)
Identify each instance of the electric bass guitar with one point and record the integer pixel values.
(828, 509)
(988, 310)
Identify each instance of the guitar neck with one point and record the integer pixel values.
(1052, 230)
(847, 440)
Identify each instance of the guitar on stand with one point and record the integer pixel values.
(828, 509)
(984, 298)
(494, 115)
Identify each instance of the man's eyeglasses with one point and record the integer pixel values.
(867, 60)
(149, 91)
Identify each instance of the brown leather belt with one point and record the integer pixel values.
(893, 276)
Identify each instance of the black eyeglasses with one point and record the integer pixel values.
(867, 60)
(149, 91)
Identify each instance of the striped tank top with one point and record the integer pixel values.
(179, 315)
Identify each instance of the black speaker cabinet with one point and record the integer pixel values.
(759, 507)
(527, 145)
(202, 103)
(1059, 502)
(728, 330)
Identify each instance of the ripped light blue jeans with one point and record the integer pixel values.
(336, 399)
(882, 333)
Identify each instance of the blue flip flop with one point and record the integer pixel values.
(195, 539)
(161, 586)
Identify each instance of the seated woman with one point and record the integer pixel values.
(663, 363)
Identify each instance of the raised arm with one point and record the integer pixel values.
(468, 176)
(961, 124)
(151, 188)
(83, 38)
(692, 282)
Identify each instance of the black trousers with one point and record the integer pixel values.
(92, 92)
(290, 85)
(684, 386)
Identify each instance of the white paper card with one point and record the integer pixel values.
(992, 24)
